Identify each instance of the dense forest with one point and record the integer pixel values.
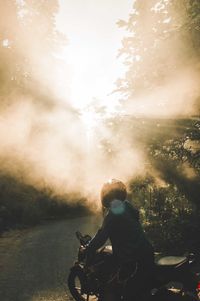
(162, 42)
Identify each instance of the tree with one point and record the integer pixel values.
(162, 39)
(163, 36)
(158, 43)
(8, 47)
(29, 42)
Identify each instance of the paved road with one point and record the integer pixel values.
(34, 263)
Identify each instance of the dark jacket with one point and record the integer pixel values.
(129, 242)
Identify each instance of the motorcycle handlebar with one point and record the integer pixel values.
(79, 235)
(84, 240)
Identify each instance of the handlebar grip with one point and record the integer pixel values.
(79, 235)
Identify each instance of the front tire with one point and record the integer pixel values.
(77, 284)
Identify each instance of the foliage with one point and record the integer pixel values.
(24, 205)
(170, 220)
(28, 42)
(28, 66)
(162, 38)
(8, 49)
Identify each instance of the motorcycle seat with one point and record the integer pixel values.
(171, 261)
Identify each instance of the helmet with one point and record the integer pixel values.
(111, 190)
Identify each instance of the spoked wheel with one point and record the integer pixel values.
(76, 284)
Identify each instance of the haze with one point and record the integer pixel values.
(67, 129)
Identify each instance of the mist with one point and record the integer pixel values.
(47, 141)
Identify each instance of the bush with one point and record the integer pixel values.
(24, 205)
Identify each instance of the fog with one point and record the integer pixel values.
(46, 141)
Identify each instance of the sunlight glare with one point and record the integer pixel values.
(89, 118)
(92, 50)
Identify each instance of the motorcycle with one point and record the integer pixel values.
(174, 278)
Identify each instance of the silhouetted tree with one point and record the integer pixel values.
(162, 36)
(29, 41)
(9, 25)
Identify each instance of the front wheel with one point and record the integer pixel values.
(78, 286)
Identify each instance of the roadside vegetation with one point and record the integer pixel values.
(22, 205)
(162, 43)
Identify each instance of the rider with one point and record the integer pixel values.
(133, 256)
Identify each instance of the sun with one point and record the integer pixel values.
(91, 121)
(89, 118)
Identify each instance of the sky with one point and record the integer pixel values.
(93, 42)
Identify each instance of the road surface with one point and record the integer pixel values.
(34, 263)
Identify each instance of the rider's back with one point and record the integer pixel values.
(127, 237)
